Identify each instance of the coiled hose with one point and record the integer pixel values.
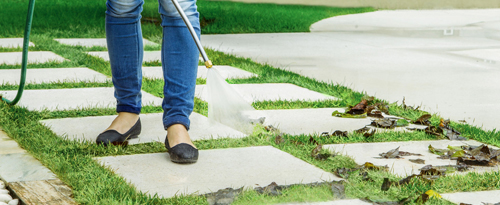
(26, 44)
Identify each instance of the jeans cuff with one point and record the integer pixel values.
(176, 120)
(122, 108)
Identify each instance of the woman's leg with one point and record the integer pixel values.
(180, 64)
(124, 40)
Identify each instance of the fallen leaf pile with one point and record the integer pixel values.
(428, 195)
(336, 133)
(395, 153)
(363, 109)
(389, 123)
(345, 172)
(274, 189)
(427, 173)
(223, 196)
(316, 152)
(469, 155)
(443, 129)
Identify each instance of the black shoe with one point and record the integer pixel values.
(115, 138)
(182, 153)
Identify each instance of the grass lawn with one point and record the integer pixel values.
(85, 19)
(92, 184)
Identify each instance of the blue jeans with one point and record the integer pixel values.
(179, 56)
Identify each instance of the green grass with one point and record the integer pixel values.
(85, 19)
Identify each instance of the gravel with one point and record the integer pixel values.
(5, 197)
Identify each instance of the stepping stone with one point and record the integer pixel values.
(148, 55)
(74, 98)
(89, 42)
(50, 75)
(216, 169)
(152, 128)
(225, 71)
(23, 167)
(269, 91)
(315, 121)
(8, 145)
(13, 58)
(336, 202)
(403, 167)
(474, 198)
(12, 42)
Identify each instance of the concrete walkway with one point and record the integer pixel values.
(444, 60)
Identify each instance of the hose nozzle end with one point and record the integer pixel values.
(208, 64)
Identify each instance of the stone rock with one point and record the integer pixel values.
(5, 198)
(14, 202)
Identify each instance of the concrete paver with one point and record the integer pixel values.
(474, 198)
(89, 42)
(423, 67)
(13, 42)
(408, 19)
(12, 58)
(23, 167)
(8, 145)
(215, 169)
(152, 128)
(74, 98)
(403, 166)
(225, 71)
(269, 91)
(51, 75)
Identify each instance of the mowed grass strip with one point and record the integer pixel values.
(85, 19)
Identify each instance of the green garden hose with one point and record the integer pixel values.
(26, 43)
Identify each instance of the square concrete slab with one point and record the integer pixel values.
(474, 198)
(74, 98)
(8, 145)
(148, 55)
(23, 167)
(269, 91)
(403, 167)
(13, 42)
(215, 169)
(152, 128)
(50, 75)
(89, 42)
(336, 202)
(13, 58)
(225, 71)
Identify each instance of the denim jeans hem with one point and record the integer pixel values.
(176, 120)
(128, 109)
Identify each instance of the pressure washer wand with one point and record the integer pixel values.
(208, 63)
